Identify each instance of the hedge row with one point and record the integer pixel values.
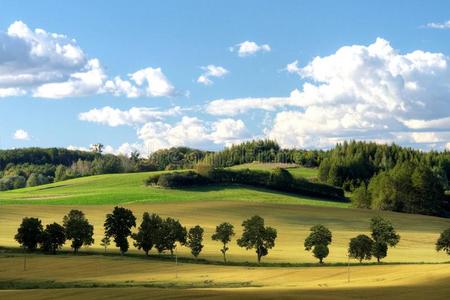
(277, 179)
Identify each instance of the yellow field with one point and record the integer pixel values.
(369, 282)
(418, 233)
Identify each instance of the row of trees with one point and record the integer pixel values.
(408, 187)
(22, 168)
(76, 228)
(352, 163)
(267, 151)
(277, 179)
(165, 234)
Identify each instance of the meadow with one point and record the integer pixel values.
(99, 277)
(291, 215)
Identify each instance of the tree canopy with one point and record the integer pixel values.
(118, 225)
(318, 240)
(257, 236)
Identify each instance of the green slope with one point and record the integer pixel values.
(295, 170)
(128, 188)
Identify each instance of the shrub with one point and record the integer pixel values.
(37, 179)
(181, 179)
(280, 178)
(152, 180)
(361, 197)
(12, 182)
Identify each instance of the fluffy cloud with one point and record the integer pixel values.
(135, 115)
(89, 81)
(248, 48)
(191, 132)
(21, 134)
(150, 82)
(29, 58)
(232, 107)
(228, 131)
(211, 71)
(51, 65)
(362, 92)
(9, 92)
(445, 25)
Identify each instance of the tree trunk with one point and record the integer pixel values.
(146, 252)
(224, 254)
(378, 259)
(259, 257)
(321, 260)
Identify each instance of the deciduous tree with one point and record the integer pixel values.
(147, 234)
(195, 239)
(53, 237)
(118, 225)
(360, 247)
(224, 233)
(257, 236)
(443, 243)
(78, 229)
(384, 236)
(318, 240)
(29, 233)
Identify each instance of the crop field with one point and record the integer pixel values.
(284, 270)
(99, 277)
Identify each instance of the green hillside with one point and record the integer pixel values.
(129, 188)
(294, 169)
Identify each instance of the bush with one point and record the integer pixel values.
(37, 179)
(12, 182)
(361, 197)
(181, 179)
(279, 179)
(152, 180)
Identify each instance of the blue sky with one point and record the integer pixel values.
(127, 74)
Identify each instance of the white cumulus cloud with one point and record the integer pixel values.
(228, 131)
(136, 115)
(52, 65)
(362, 92)
(21, 134)
(211, 71)
(248, 48)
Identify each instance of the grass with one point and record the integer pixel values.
(98, 277)
(292, 221)
(294, 169)
(127, 188)
(109, 276)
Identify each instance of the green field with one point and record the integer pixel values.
(291, 215)
(130, 188)
(295, 170)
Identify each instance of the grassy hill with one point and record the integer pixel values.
(291, 215)
(294, 169)
(128, 188)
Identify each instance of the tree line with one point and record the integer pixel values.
(163, 234)
(277, 179)
(29, 167)
(266, 151)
